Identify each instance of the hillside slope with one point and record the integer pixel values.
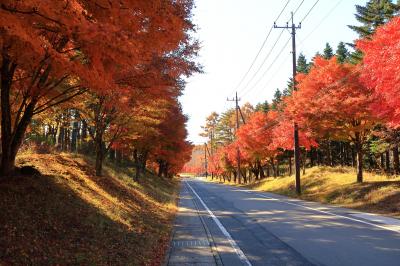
(67, 215)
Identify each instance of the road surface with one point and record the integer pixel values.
(224, 225)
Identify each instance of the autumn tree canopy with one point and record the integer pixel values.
(381, 70)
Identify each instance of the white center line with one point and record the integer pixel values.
(238, 251)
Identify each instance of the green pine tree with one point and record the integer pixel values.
(328, 51)
(263, 107)
(289, 88)
(374, 14)
(371, 16)
(302, 65)
(277, 99)
(342, 53)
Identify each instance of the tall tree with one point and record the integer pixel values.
(209, 129)
(302, 65)
(276, 100)
(328, 51)
(263, 107)
(383, 50)
(372, 15)
(49, 57)
(342, 53)
(332, 101)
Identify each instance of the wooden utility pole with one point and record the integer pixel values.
(293, 28)
(236, 100)
(205, 159)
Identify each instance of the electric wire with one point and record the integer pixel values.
(302, 41)
(264, 74)
(263, 62)
(298, 7)
(269, 53)
(320, 22)
(309, 11)
(261, 48)
(269, 67)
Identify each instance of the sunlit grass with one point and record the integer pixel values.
(114, 215)
(337, 185)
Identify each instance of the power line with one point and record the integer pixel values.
(259, 51)
(298, 7)
(309, 11)
(321, 21)
(269, 53)
(269, 67)
(301, 43)
(275, 73)
(263, 62)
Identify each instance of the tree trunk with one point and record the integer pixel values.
(273, 168)
(330, 159)
(260, 170)
(75, 131)
(359, 151)
(159, 168)
(137, 164)
(396, 161)
(311, 157)
(387, 162)
(341, 151)
(277, 167)
(99, 155)
(11, 141)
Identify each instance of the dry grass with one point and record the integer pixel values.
(378, 193)
(67, 215)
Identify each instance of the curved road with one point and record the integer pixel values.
(244, 227)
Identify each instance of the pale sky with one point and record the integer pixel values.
(232, 32)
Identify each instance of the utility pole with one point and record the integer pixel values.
(293, 27)
(212, 153)
(236, 100)
(205, 159)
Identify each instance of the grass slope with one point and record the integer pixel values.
(336, 185)
(67, 215)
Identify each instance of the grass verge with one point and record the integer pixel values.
(67, 215)
(336, 185)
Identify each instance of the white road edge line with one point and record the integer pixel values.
(329, 213)
(238, 251)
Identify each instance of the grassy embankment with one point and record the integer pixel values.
(336, 185)
(68, 216)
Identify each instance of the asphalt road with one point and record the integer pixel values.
(253, 228)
